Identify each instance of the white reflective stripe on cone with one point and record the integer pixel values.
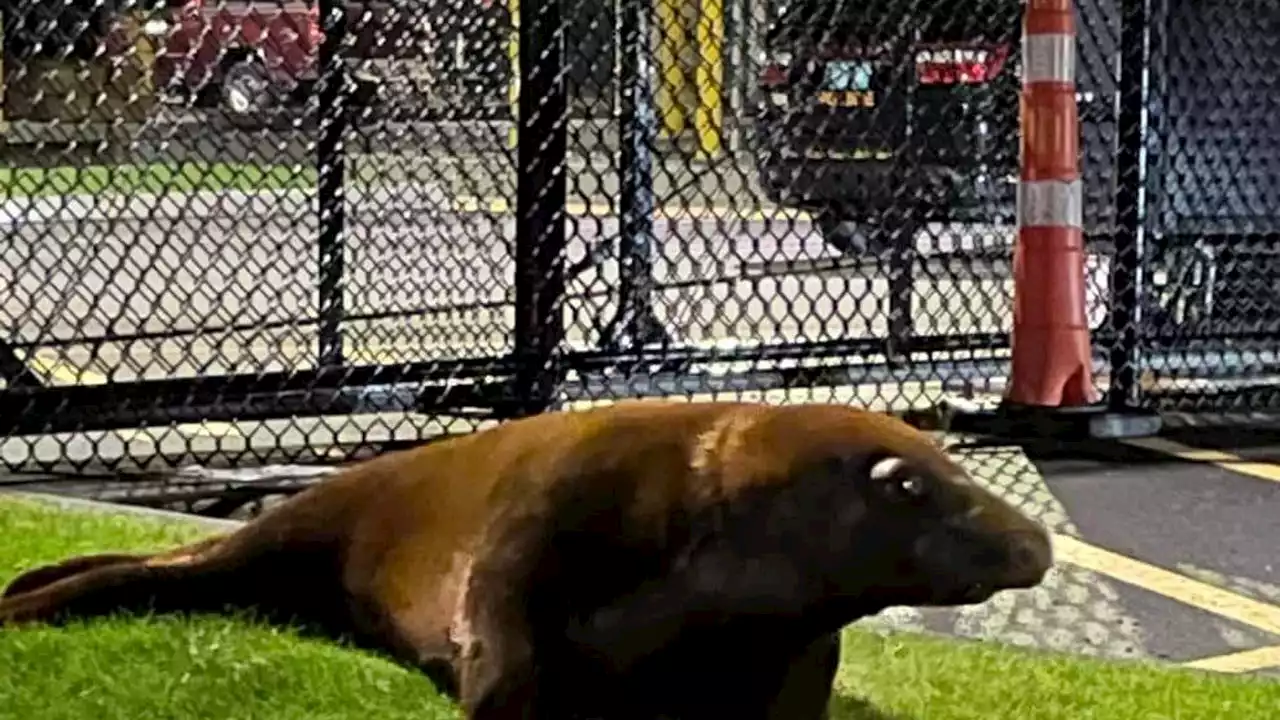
(1049, 58)
(1051, 203)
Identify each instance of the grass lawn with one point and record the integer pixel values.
(152, 178)
(214, 668)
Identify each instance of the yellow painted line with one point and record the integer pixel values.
(55, 368)
(1201, 595)
(1239, 662)
(211, 429)
(501, 206)
(1224, 460)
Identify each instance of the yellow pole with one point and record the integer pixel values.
(709, 116)
(513, 87)
(673, 34)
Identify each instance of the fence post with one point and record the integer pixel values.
(540, 205)
(1052, 359)
(633, 324)
(331, 161)
(1131, 178)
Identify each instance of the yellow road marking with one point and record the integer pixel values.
(1174, 586)
(212, 429)
(1224, 460)
(1239, 662)
(57, 368)
(498, 205)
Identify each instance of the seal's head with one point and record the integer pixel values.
(942, 539)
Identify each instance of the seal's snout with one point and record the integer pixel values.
(1030, 558)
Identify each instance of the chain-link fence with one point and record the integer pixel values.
(1199, 198)
(240, 231)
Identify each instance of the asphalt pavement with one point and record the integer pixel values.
(426, 278)
(102, 288)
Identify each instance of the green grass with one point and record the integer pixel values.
(213, 668)
(152, 178)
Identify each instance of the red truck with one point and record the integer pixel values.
(245, 56)
(253, 57)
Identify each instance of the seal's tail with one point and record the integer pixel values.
(187, 578)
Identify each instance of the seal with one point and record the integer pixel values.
(641, 560)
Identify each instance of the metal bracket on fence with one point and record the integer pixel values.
(1185, 287)
(902, 280)
(634, 323)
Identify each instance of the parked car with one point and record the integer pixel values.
(890, 111)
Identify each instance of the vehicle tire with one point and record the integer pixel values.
(846, 235)
(840, 234)
(247, 94)
(856, 237)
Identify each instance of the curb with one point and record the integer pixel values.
(84, 505)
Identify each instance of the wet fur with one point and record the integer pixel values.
(649, 559)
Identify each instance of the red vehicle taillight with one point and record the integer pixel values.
(190, 9)
(313, 21)
(959, 65)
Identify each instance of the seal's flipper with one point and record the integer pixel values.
(43, 575)
(46, 574)
(189, 578)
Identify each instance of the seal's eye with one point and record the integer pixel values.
(899, 483)
(910, 487)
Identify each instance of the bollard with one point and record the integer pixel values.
(671, 72)
(1052, 358)
(709, 77)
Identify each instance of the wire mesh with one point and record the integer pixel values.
(763, 197)
(1196, 195)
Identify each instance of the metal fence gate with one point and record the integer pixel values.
(333, 272)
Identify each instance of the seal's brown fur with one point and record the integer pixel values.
(647, 559)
